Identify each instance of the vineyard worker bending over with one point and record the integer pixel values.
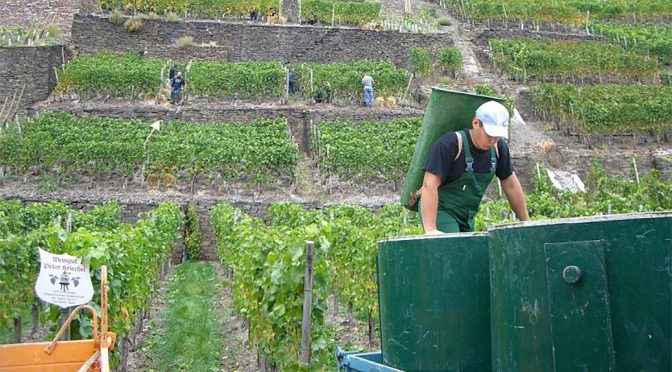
(460, 168)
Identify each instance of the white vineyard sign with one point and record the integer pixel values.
(63, 280)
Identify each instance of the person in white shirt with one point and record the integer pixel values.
(367, 81)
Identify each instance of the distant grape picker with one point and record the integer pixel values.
(176, 88)
(368, 82)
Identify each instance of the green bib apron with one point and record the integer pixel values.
(459, 200)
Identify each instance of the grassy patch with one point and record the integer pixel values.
(185, 41)
(134, 24)
(191, 341)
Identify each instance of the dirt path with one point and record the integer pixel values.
(235, 356)
(139, 357)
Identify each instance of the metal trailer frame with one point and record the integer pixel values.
(62, 356)
(353, 361)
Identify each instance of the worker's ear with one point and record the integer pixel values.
(474, 122)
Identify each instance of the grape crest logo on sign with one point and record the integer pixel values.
(63, 280)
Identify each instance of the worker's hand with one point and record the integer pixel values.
(433, 232)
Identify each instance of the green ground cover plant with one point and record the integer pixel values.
(192, 339)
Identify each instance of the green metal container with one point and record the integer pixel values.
(585, 294)
(434, 302)
(447, 110)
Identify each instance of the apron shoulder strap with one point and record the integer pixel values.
(468, 159)
(459, 145)
(494, 153)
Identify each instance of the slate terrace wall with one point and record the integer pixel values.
(30, 69)
(248, 41)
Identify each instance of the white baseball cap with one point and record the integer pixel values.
(495, 119)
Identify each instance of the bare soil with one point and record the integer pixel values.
(139, 357)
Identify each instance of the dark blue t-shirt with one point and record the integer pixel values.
(442, 161)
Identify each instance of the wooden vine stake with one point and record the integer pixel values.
(307, 304)
(634, 165)
(66, 311)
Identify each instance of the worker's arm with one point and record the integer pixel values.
(429, 202)
(514, 193)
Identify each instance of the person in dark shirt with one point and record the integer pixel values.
(172, 73)
(176, 88)
(291, 82)
(460, 167)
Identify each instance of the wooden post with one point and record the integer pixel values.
(634, 164)
(307, 304)
(35, 317)
(372, 328)
(312, 89)
(65, 314)
(298, 17)
(408, 88)
(286, 85)
(17, 330)
(335, 305)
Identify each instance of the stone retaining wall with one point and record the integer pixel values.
(236, 42)
(23, 13)
(31, 70)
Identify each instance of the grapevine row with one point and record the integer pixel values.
(363, 151)
(60, 143)
(528, 59)
(133, 254)
(573, 12)
(129, 75)
(606, 109)
(342, 12)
